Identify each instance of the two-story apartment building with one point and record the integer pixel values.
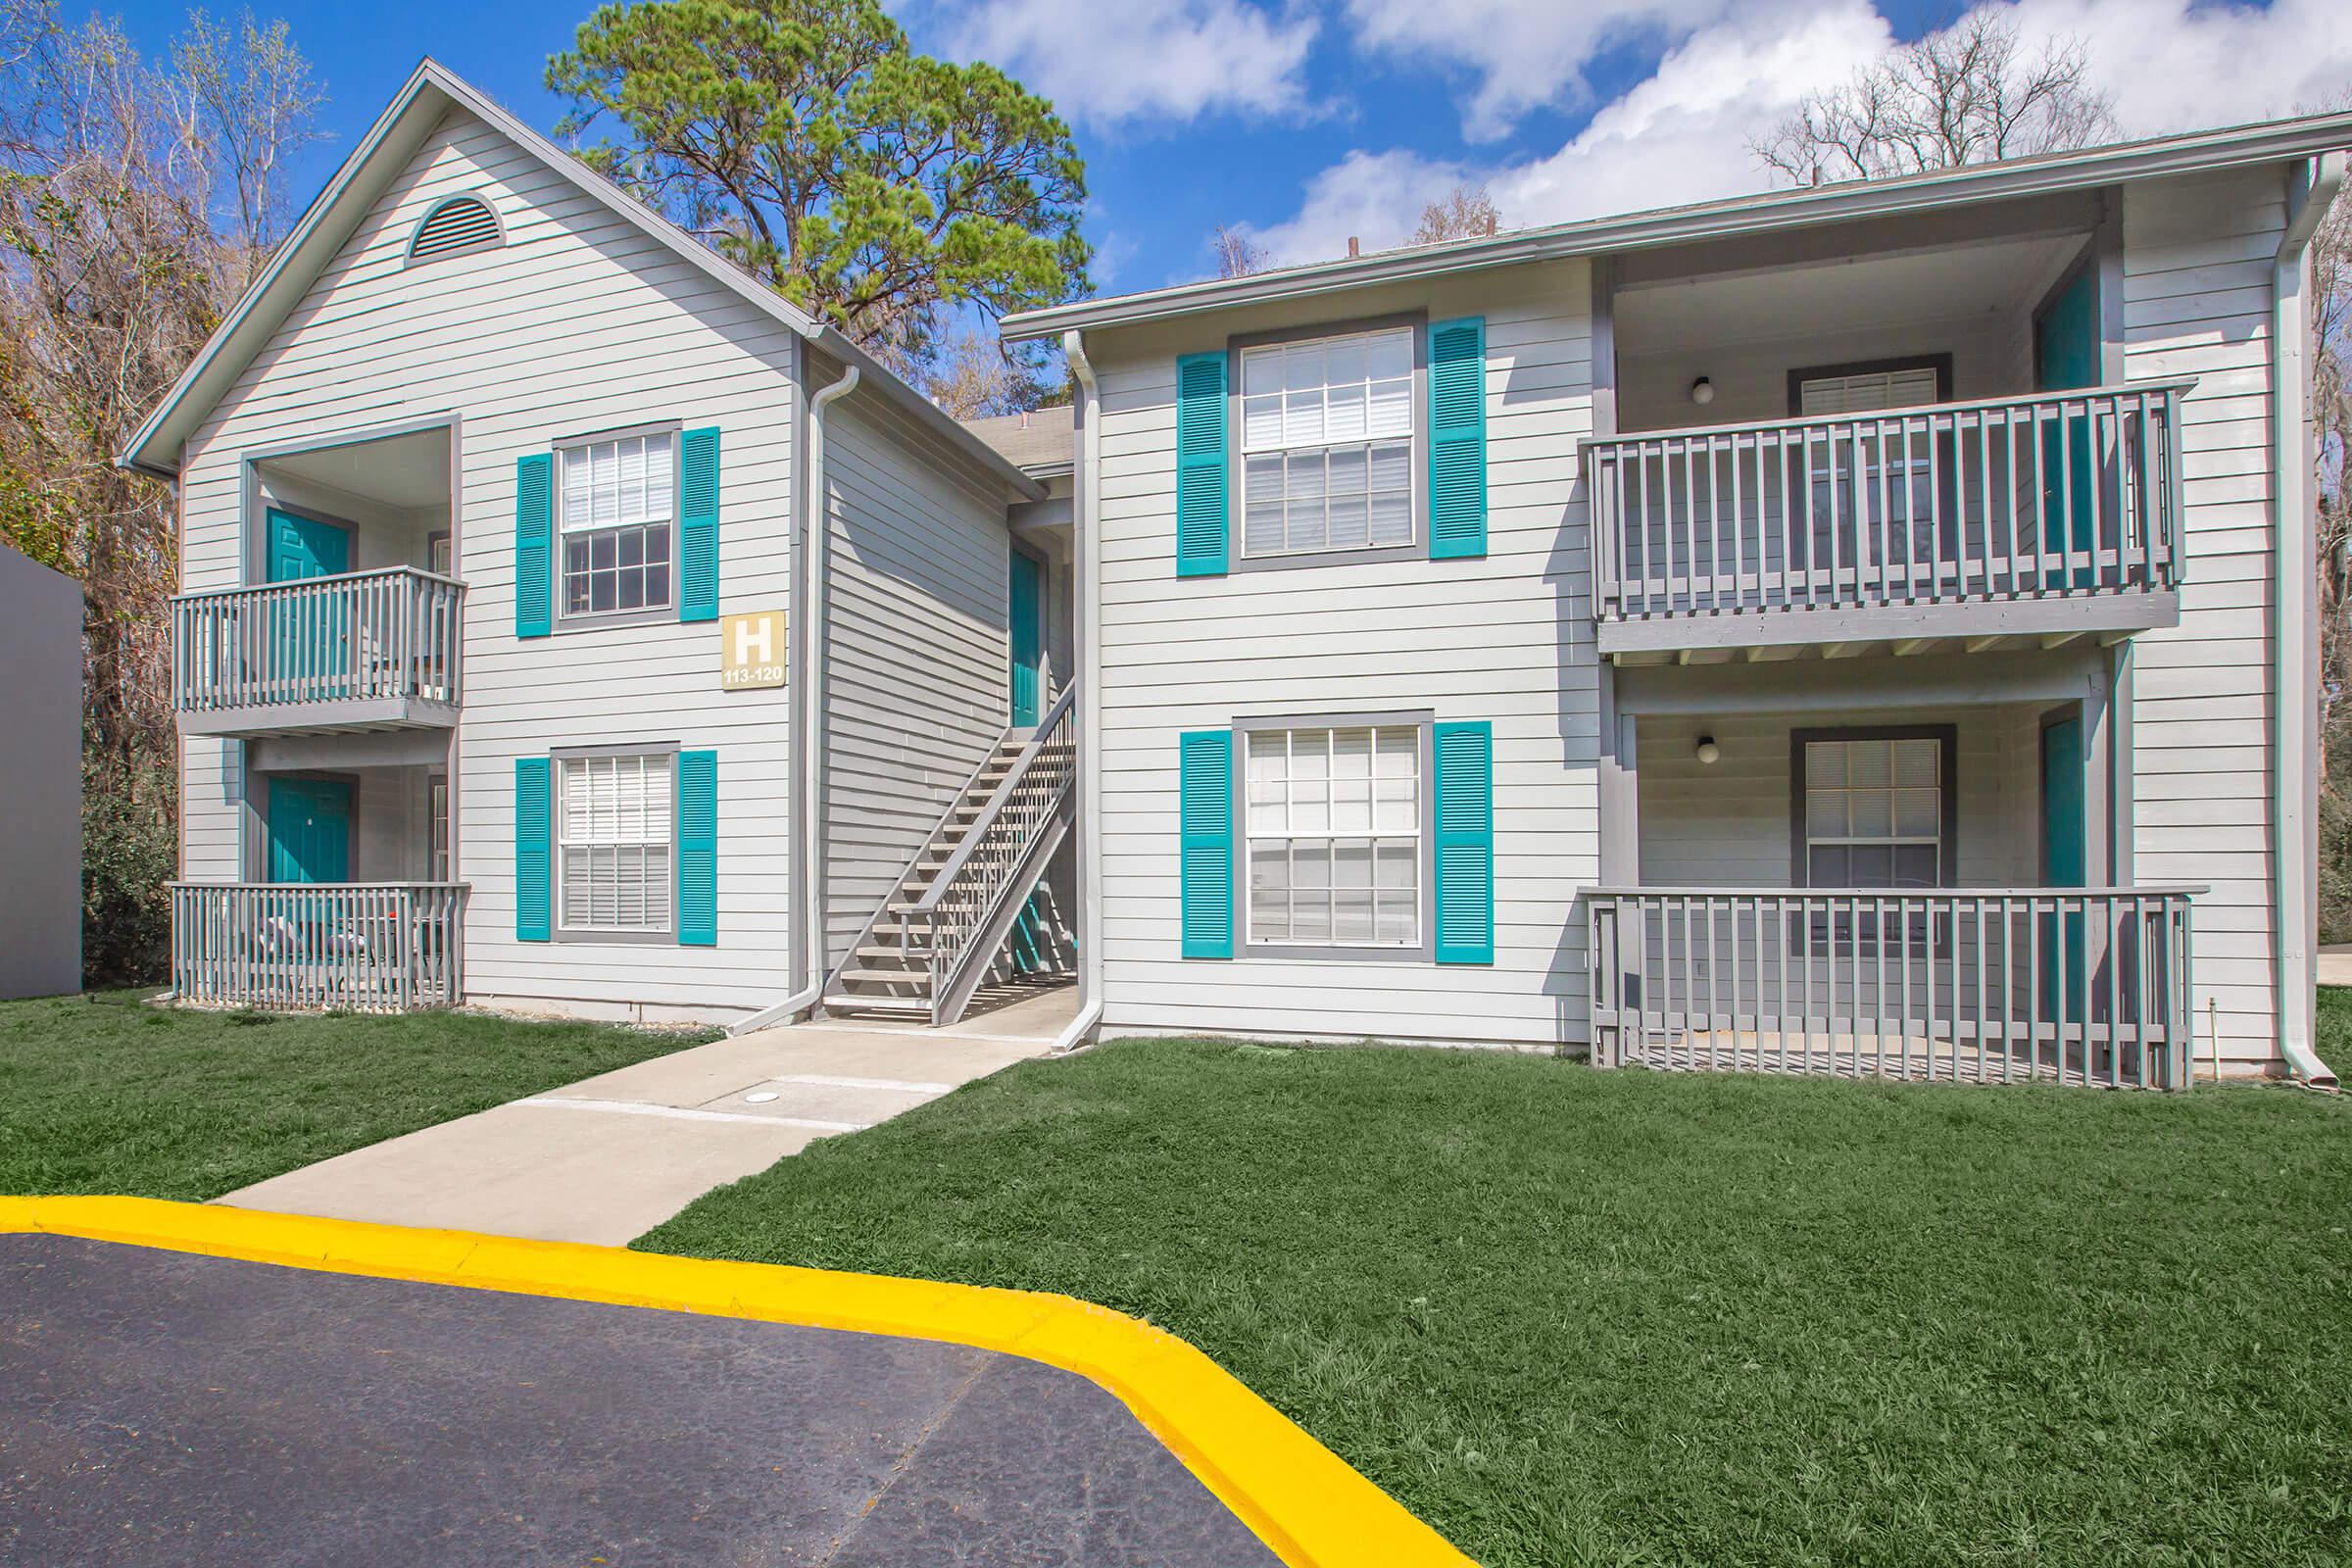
(500, 583)
(1862, 629)
(1855, 629)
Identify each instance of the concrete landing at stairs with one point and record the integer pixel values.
(608, 1159)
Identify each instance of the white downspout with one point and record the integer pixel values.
(2294, 769)
(807, 695)
(1085, 541)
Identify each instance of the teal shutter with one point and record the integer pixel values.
(1465, 758)
(1204, 817)
(1458, 438)
(532, 825)
(698, 849)
(1202, 488)
(698, 524)
(534, 544)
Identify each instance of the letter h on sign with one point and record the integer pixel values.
(751, 651)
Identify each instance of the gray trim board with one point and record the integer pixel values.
(557, 930)
(2056, 614)
(1948, 789)
(1422, 720)
(1975, 680)
(320, 718)
(1236, 458)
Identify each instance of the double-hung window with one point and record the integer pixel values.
(1327, 436)
(1874, 813)
(619, 518)
(1333, 829)
(616, 830)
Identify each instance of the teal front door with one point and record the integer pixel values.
(306, 638)
(310, 830)
(302, 548)
(2066, 355)
(2064, 864)
(1027, 615)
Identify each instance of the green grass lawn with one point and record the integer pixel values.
(1580, 1316)
(107, 1094)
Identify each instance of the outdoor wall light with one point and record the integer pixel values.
(1708, 751)
(1702, 391)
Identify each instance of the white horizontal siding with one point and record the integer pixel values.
(2197, 301)
(1503, 639)
(1727, 823)
(918, 682)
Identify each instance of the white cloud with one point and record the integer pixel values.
(1524, 54)
(1107, 61)
(1681, 133)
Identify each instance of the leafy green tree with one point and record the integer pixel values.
(874, 186)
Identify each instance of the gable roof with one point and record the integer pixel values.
(2270, 142)
(335, 214)
(1040, 440)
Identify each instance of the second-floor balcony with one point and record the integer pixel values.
(1995, 521)
(365, 650)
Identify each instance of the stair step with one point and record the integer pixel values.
(878, 952)
(887, 977)
(912, 1005)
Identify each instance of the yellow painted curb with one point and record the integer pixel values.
(1302, 1501)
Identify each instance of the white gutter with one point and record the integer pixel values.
(1087, 577)
(2294, 771)
(807, 682)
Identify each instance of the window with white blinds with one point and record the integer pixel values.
(1874, 814)
(1866, 391)
(1335, 837)
(1327, 444)
(619, 502)
(614, 826)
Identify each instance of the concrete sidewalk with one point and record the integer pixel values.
(608, 1159)
(2335, 964)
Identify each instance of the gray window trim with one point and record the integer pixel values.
(1947, 783)
(1941, 362)
(1422, 720)
(557, 930)
(567, 621)
(1238, 559)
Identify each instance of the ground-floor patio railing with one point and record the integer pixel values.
(2069, 985)
(370, 946)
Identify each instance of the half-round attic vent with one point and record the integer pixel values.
(456, 226)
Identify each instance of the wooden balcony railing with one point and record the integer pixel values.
(370, 946)
(370, 637)
(2060, 493)
(2081, 986)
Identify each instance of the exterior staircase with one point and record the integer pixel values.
(949, 925)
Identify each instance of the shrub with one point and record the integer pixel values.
(129, 852)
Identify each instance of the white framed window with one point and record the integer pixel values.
(618, 514)
(1327, 429)
(615, 829)
(1333, 836)
(1873, 811)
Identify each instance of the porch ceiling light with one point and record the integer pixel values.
(1708, 751)
(1702, 391)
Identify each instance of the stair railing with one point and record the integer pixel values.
(957, 907)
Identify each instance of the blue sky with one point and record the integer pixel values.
(1310, 120)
